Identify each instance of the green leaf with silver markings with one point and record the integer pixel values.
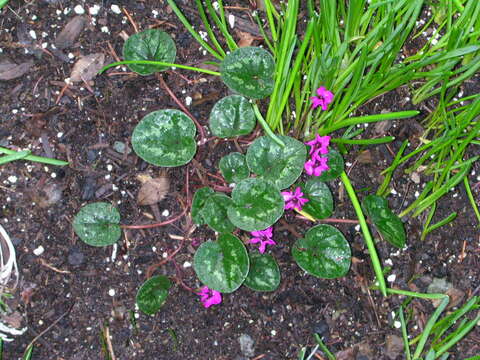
(320, 199)
(214, 213)
(324, 252)
(198, 202)
(249, 71)
(280, 165)
(232, 116)
(222, 265)
(335, 164)
(97, 224)
(150, 45)
(152, 294)
(165, 138)
(234, 167)
(257, 204)
(264, 274)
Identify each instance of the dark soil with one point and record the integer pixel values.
(74, 281)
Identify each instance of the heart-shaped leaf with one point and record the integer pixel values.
(234, 167)
(387, 223)
(198, 202)
(257, 204)
(232, 116)
(214, 213)
(249, 71)
(151, 45)
(335, 164)
(97, 224)
(280, 165)
(264, 274)
(152, 294)
(324, 252)
(222, 265)
(320, 200)
(165, 138)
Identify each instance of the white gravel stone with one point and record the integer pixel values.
(79, 10)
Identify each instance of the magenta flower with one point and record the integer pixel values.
(264, 237)
(322, 141)
(209, 297)
(316, 165)
(323, 98)
(294, 200)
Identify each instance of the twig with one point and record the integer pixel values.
(135, 27)
(51, 267)
(49, 327)
(106, 335)
(153, 267)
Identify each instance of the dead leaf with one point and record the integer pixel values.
(70, 32)
(9, 70)
(246, 39)
(365, 157)
(87, 67)
(153, 190)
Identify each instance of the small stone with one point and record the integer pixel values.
(247, 345)
(111, 292)
(116, 9)
(39, 251)
(79, 10)
(120, 147)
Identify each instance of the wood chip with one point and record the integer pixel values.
(9, 70)
(87, 67)
(70, 32)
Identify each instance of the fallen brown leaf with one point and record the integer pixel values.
(10, 70)
(70, 32)
(152, 190)
(246, 39)
(87, 67)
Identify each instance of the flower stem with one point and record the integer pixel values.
(377, 267)
(265, 126)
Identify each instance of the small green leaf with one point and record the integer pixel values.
(335, 164)
(234, 167)
(281, 166)
(232, 116)
(320, 200)
(222, 265)
(214, 213)
(264, 274)
(151, 45)
(249, 71)
(198, 202)
(165, 138)
(387, 223)
(152, 294)
(257, 204)
(324, 252)
(97, 224)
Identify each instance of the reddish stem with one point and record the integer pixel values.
(149, 226)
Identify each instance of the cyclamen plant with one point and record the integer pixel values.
(262, 182)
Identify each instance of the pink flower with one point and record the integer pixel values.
(209, 297)
(316, 165)
(323, 99)
(322, 141)
(264, 237)
(294, 200)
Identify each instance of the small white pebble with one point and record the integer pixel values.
(389, 262)
(391, 278)
(111, 292)
(94, 10)
(397, 324)
(116, 9)
(165, 212)
(79, 10)
(12, 179)
(187, 264)
(33, 34)
(53, 175)
(357, 227)
(188, 101)
(109, 167)
(104, 29)
(155, 13)
(273, 332)
(39, 250)
(231, 20)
